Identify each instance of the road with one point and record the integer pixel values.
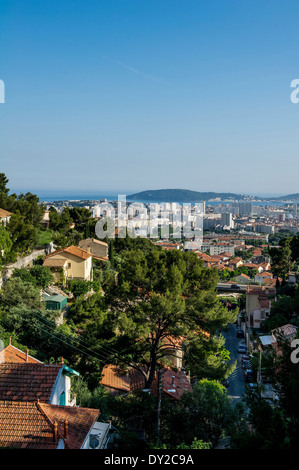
(224, 287)
(236, 381)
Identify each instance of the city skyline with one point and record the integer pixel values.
(121, 97)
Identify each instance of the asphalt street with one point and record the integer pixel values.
(236, 380)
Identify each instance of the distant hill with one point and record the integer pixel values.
(181, 195)
(288, 197)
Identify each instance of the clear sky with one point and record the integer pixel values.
(117, 96)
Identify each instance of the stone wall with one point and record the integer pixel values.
(24, 262)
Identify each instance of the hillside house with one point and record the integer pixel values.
(242, 279)
(97, 248)
(71, 262)
(37, 425)
(119, 383)
(23, 377)
(5, 217)
(35, 402)
(260, 277)
(258, 304)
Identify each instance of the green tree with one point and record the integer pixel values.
(23, 234)
(206, 413)
(161, 295)
(42, 275)
(281, 258)
(5, 243)
(17, 292)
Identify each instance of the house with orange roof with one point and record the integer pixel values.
(235, 263)
(5, 217)
(243, 279)
(117, 382)
(13, 354)
(258, 304)
(226, 255)
(37, 410)
(97, 248)
(71, 262)
(31, 381)
(260, 277)
(41, 426)
(23, 377)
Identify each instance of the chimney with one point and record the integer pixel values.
(172, 382)
(88, 248)
(27, 351)
(61, 360)
(10, 341)
(55, 431)
(66, 428)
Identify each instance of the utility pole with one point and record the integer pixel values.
(259, 377)
(160, 388)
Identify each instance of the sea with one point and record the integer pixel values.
(114, 197)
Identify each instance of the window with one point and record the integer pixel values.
(69, 265)
(62, 399)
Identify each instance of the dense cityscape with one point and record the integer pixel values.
(135, 333)
(149, 230)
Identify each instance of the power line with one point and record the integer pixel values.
(100, 356)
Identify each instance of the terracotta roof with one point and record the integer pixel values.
(31, 425)
(52, 263)
(225, 254)
(4, 213)
(27, 381)
(174, 383)
(270, 282)
(100, 258)
(112, 378)
(12, 354)
(285, 330)
(94, 240)
(23, 425)
(265, 274)
(80, 421)
(73, 250)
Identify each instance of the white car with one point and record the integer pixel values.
(242, 349)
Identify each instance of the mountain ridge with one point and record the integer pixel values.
(186, 195)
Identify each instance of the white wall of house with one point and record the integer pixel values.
(101, 431)
(62, 385)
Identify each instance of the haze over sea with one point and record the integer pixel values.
(113, 197)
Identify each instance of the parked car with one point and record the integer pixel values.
(240, 333)
(246, 365)
(235, 286)
(245, 358)
(248, 375)
(242, 349)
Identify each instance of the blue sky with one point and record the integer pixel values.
(117, 96)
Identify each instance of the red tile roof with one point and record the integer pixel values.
(174, 383)
(27, 381)
(113, 378)
(73, 250)
(264, 274)
(12, 354)
(4, 213)
(80, 421)
(22, 425)
(285, 330)
(54, 263)
(31, 425)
